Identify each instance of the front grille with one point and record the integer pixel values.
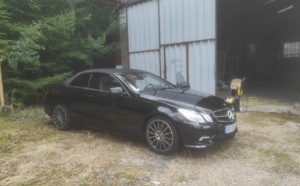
(224, 115)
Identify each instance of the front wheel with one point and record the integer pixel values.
(60, 117)
(161, 135)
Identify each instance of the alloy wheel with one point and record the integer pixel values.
(160, 135)
(59, 116)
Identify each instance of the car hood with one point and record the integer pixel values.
(189, 97)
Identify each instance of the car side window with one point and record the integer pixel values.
(103, 82)
(81, 81)
(95, 81)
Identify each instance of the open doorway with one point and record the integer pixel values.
(258, 39)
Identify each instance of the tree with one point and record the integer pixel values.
(46, 41)
(4, 22)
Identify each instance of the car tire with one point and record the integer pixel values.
(161, 135)
(60, 117)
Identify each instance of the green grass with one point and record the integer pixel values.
(20, 126)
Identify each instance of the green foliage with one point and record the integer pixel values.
(4, 15)
(47, 82)
(22, 11)
(25, 50)
(4, 22)
(31, 92)
(58, 30)
(42, 41)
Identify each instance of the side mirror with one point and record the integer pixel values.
(184, 85)
(116, 90)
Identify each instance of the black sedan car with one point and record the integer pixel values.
(142, 104)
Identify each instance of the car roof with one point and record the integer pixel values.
(111, 71)
(104, 70)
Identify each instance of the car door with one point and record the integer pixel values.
(74, 93)
(97, 102)
(126, 112)
(112, 111)
(132, 112)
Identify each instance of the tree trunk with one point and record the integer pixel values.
(1, 89)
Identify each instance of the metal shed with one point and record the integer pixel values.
(167, 37)
(206, 40)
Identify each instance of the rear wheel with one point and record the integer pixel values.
(161, 135)
(60, 117)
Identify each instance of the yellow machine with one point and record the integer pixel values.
(236, 93)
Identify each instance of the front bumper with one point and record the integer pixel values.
(205, 136)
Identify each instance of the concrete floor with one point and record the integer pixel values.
(269, 95)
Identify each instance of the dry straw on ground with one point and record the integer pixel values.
(264, 152)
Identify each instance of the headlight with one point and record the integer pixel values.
(195, 116)
(207, 117)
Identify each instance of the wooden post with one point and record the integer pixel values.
(1, 89)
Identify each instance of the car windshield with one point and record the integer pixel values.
(143, 81)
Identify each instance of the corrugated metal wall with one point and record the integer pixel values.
(175, 60)
(186, 20)
(148, 61)
(202, 66)
(143, 27)
(171, 36)
(143, 34)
